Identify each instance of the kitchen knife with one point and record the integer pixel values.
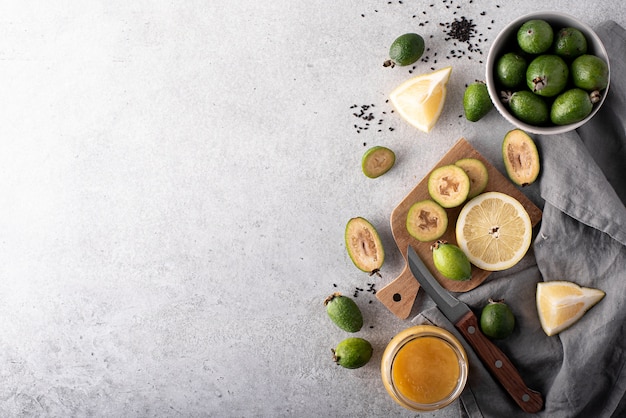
(466, 322)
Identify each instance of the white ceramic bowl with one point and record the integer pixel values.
(506, 42)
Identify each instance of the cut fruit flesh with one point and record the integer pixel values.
(561, 303)
(426, 221)
(449, 186)
(521, 158)
(420, 99)
(364, 245)
(377, 161)
(494, 231)
(477, 173)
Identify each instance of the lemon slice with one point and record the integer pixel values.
(494, 231)
(560, 304)
(420, 99)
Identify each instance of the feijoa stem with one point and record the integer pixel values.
(331, 297)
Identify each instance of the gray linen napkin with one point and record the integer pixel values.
(582, 238)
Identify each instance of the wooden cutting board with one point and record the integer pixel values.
(399, 295)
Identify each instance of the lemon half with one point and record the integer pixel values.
(561, 303)
(494, 231)
(420, 99)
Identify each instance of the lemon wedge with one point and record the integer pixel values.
(494, 231)
(561, 303)
(420, 99)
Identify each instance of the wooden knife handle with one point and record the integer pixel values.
(499, 365)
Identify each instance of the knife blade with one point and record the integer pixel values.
(466, 322)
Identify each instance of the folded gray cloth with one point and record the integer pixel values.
(581, 238)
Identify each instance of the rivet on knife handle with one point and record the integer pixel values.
(499, 365)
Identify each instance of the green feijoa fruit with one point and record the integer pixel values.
(535, 36)
(547, 75)
(352, 353)
(570, 107)
(405, 50)
(364, 245)
(497, 320)
(521, 158)
(377, 161)
(344, 312)
(451, 261)
(426, 221)
(511, 70)
(570, 43)
(448, 185)
(476, 101)
(528, 107)
(590, 73)
(477, 173)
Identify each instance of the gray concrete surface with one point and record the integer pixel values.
(175, 180)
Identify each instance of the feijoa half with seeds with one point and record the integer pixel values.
(451, 261)
(344, 312)
(352, 353)
(477, 173)
(426, 220)
(364, 245)
(448, 185)
(521, 158)
(377, 161)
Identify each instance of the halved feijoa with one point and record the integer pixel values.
(426, 221)
(477, 173)
(521, 158)
(364, 245)
(377, 161)
(451, 261)
(344, 312)
(448, 185)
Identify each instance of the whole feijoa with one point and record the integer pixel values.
(451, 261)
(476, 101)
(344, 312)
(528, 107)
(547, 75)
(405, 49)
(497, 320)
(570, 107)
(535, 36)
(590, 73)
(570, 43)
(511, 70)
(352, 353)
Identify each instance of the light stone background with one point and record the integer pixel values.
(175, 179)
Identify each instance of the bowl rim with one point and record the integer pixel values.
(505, 33)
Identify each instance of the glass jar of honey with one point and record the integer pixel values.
(424, 368)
